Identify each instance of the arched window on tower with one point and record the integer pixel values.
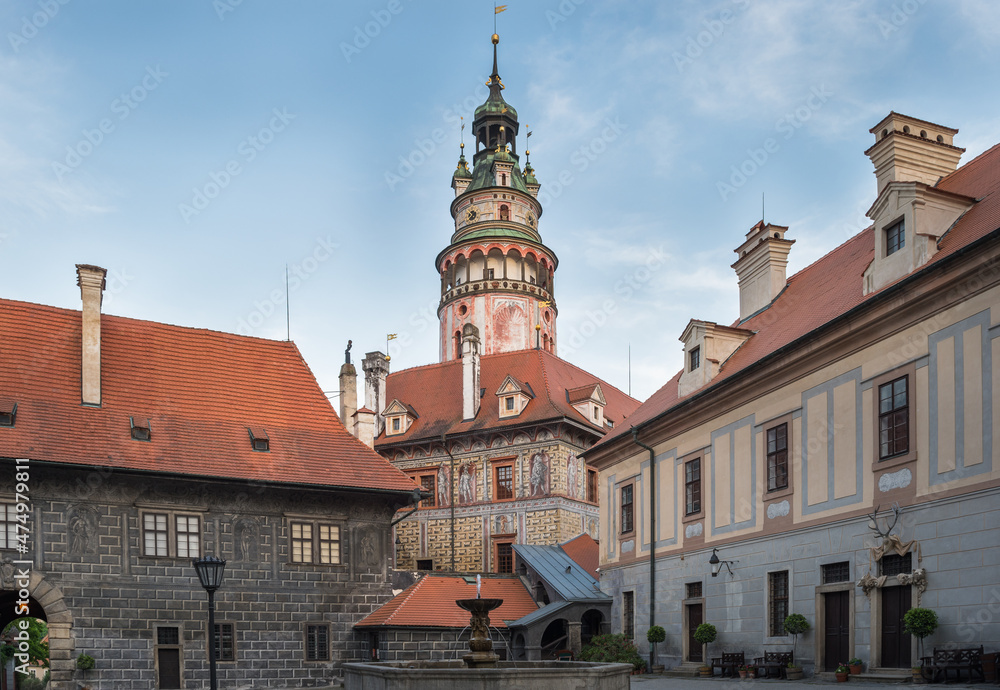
(504, 212)
(503, 179)
(458, 344)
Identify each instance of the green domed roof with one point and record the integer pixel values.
(462, 171)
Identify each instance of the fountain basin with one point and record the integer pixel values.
(454, 675)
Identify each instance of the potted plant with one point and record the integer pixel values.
(705, 634)
(920, 623)
(751, 671)
(842, 672)
(743, 670)
(795, 625)
(855, 665)
(654, 635)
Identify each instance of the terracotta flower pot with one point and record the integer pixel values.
(841, 677)
(794, 673)
(743, 674)
(855, 669)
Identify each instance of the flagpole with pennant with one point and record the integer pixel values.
(388, 337)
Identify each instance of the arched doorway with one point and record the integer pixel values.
(45, 603)
(555, 638)
(590, 625)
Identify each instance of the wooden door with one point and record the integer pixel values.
(836, 629)
(695, 618)
(895, 642)
(169, 664)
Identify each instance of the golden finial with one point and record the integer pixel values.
(495, 38)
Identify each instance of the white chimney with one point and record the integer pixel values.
(470, 371)
(761, 266)
(376, 368)
(910, 150)
(364, 426)
(91, 282)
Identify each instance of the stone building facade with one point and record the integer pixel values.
(161, 445)
(832, 452)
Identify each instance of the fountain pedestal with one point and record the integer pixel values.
(481, 653)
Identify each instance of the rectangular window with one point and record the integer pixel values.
(893, 419)
(154, 527)
(488, 274)
(302, 542)
(777, 457)
(317, 643)
(692, 486)
(505, 557)
(894, 564)
(188, 536)
(428, 482)
(425, 564)
(329, 544)
(504, 476)
(836, 572)
(168, 635)
(693, 590)
(225, 642)
(592, 486)
(895, 238)
(509, 402)
(694, 358)
(395, 423)
(628, 614)
(777, 585)
(627, 513)
(597, 413)
(8, 532)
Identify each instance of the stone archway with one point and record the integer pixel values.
(46, 603)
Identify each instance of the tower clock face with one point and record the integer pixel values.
(531, 219)
(472, 215)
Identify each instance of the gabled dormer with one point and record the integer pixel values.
(513, 396)
(589, 401)
(707, 346)
(398, 418)
(910, 215)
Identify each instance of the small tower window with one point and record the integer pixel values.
(139, 433)
(503, 179)
(504, 212)
(895, 238)
(694, 359)
(488, 274)
(8, 412)
(458, 344)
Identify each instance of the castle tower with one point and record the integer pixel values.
(496, 273)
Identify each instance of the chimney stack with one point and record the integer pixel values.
(761, 266)
(910, 150)
(364, 426)
(470, 371)
(91, 282)
(376, 368)
(348, 392)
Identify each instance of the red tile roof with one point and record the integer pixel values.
(832, 286)
(430, 602)
(200, 391)
(435, 392)
(584, 550)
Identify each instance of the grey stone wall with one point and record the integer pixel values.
(432, 644)
(959, 540)
(87, 545)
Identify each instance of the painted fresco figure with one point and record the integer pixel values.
(443, 486)
(571, 476)
(539, 474)
(467, 483)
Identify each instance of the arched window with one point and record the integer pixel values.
(504, 212)
(503, 179)
(458, 344)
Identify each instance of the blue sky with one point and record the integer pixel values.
(195, 148)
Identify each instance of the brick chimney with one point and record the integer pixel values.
(376, 368)
(91, 282)
(910, 150)
(470, 371)
(761, 266)
(348, 391)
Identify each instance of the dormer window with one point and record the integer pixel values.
(259, 440)
(398, 418)
(895, 237)
(8, 412)
(513, 396)
(589, 401)
(694, 358)
(139, 433)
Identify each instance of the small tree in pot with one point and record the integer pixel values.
(795, 625)
(654, 635)
(705, 634)
(920, 623)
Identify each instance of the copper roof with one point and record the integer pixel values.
(201, 390)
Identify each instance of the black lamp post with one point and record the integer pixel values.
(209, 571)
(717, 564)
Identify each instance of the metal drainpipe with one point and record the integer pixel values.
(451, 480)
(652, 535)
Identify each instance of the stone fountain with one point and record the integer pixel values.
(481, 668)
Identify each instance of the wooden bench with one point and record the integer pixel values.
(958, 659)
(729, 661)
(776, 661)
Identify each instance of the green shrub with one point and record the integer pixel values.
(615, 648)
(920, 623)
(85, 662)
(705, 633)
(30, 683)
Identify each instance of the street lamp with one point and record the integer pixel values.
(209, 571)
(717, 564)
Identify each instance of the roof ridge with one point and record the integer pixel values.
(978, 160)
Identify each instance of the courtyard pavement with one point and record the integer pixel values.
(658, 682)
